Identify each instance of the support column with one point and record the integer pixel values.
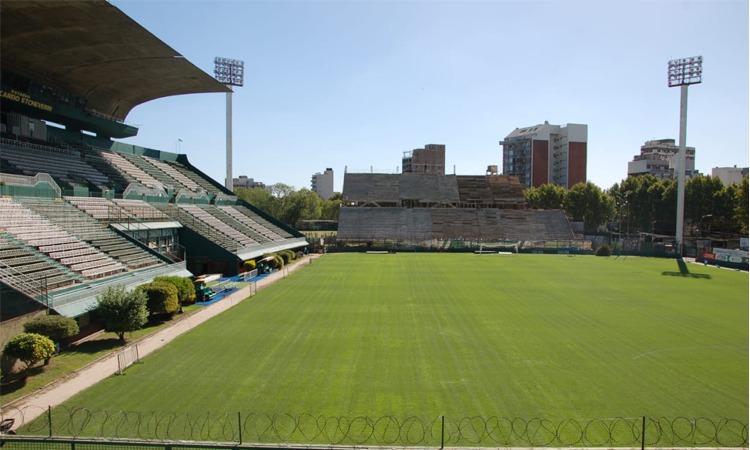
(228, 183)
(681, 171)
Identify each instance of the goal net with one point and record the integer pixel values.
(494, 248)
(127, 358)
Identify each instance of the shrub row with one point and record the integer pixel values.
(121, 312)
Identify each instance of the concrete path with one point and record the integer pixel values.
(29, 407)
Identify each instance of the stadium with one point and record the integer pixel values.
(483, 348)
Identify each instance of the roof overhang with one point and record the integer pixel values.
(94, 51)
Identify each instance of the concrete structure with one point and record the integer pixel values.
(547, 153)
(659, 158)
(322, 184)
(430, 159)
(248, 183)
(730, 175)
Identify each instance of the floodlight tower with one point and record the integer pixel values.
(683, 72)
(230, 72)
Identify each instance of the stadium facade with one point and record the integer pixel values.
(80, 211)
(438, 211)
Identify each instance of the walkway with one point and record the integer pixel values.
(31, 406)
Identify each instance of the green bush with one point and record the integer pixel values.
(279, 261)
(30, 348)
(249, 264)
(287, 256)
(122, 311)
(185, 288)
(603, 250)
(56, 328)
(161, 297)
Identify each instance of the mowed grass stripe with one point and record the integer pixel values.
(462, 335)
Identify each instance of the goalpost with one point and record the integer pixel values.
(126, 358)
(498, 248)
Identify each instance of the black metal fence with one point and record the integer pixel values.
(388, 431)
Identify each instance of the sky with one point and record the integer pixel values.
(352, 85)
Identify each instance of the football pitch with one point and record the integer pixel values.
(461, 335)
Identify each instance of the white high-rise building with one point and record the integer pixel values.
(659, 158)
(729, 175)
(322, 184)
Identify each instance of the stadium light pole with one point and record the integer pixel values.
(231, 72)
(683, 72)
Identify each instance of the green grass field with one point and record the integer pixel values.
(462, 335)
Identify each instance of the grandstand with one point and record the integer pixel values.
(423, 208)
(81, 211)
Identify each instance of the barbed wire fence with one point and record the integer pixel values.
(439, 431)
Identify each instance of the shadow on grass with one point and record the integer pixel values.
(95, 346)
(15, 381)
(685, 272)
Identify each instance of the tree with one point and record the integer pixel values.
(301, 205)
(546, 196)
(740, 194)
(30, 348)
(121, 311)
(665, 216)
(161, 297)
(330, 208)
(260, 198)
(56, 328)
(588, 203)
(185, 288)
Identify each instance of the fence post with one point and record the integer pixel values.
(49, 419)
(239, 425)
(442, 432)
(643, 434)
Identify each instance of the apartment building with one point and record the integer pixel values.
(659, 158)
(322, 184)
(430, 159)
(547, 153)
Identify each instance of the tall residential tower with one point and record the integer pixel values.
(322, 184)
(547, 153)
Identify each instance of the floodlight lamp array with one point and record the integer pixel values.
(685, 71)
(229, 71)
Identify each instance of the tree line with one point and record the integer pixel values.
(648, 204)
(636, 204)
(290, 206)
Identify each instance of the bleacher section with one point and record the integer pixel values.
(175, 174)
(154, 199)
(490, 191)
(133, 171)
(118, 210)
(234, 228)
(63, 164)
(25, 268)
(421, 207)
(24, 222)
(424, 190)
(77, 223)
(422, 224)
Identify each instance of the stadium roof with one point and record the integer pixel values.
(94, 51)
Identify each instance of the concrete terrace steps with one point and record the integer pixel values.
(373, 223)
